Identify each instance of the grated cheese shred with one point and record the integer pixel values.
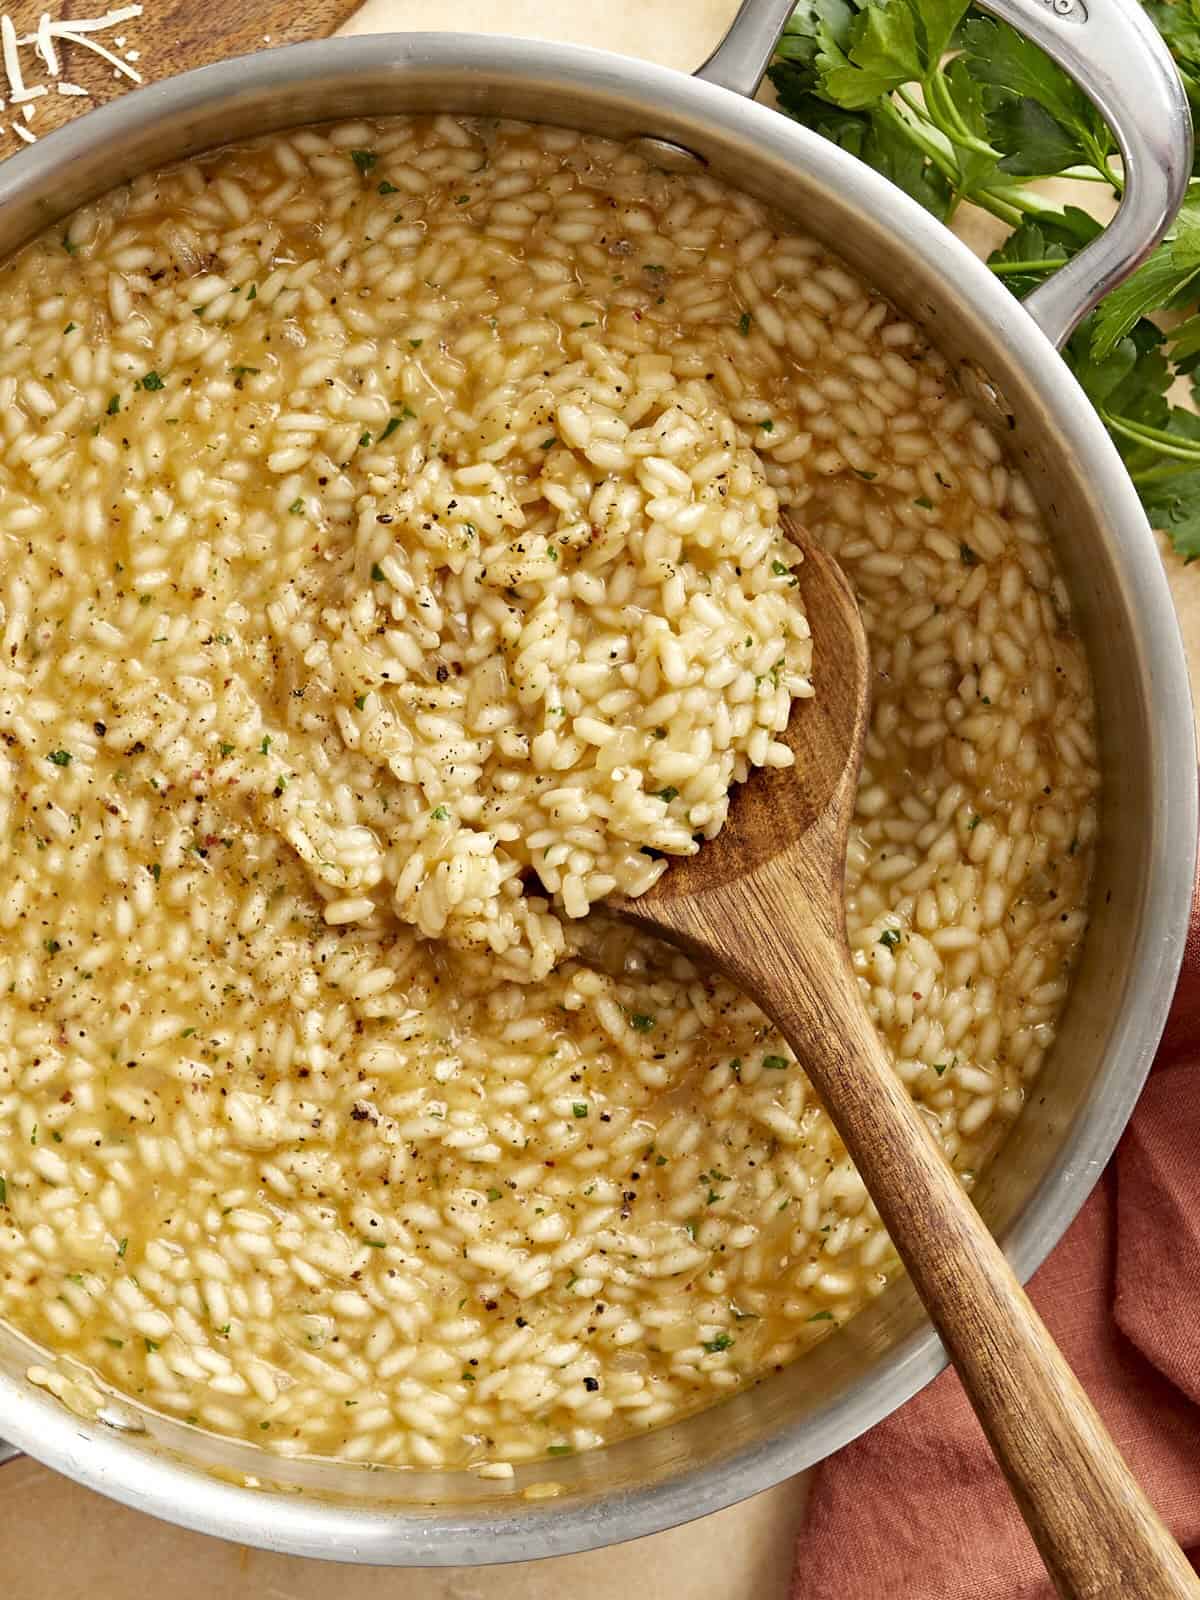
(45, 42)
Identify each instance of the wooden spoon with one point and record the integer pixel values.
(763, 901)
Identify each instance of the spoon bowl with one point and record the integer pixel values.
(785, 811)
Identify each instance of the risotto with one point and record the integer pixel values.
(392, 569)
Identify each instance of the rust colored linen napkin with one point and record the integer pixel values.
(916, 1509)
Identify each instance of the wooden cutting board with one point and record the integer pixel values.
(169, 37)
(173, 35)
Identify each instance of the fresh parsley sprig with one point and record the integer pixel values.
(957, 108)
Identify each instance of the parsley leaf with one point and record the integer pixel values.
(1173, 267)
(1039, 247)
(952, 107)
(1017, 69)
(882, 54)
(723, 1341)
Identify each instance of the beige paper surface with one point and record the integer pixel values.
(673, 33)
(60, 1542)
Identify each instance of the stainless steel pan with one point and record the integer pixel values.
(1146, 860)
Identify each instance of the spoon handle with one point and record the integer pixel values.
(1096, 1531)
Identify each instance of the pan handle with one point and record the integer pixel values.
(1116, 56)
(744, 54)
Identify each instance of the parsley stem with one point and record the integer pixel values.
(1156, 439)
(1013, 204)
(1026, 201)
(922, 133)
(913, 104)
(1002, 267)
(949, 119)
(1162, 471)
(940, 107)
(988, 200)
(1098, 154)
(1088, 175)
